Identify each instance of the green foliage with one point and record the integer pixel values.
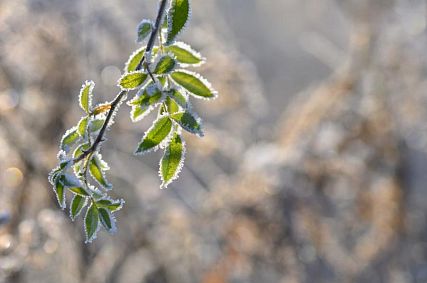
(157, 74)
(165, 65)
(178, 16)
(184, 54)
(155, 135)
(194, 84)
(188, 122)
(144, 30)
(91, 223)
(85, 97)
(77, 205)
(172, 160)
(132, 80)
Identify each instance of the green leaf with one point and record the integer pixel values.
(144, 29)
(97, 168)
(82, 126)
(69, 138)
(138, 113)
(91, 223)
(178, 16)
(194, 83)
(172, 160)
(179, 98)
(165, 65)
(134, 60)
(136, 57)
(107, 220)
(85, 97)
(171, 105)
(155, 135)
(77, 205)
(95, 125)
(60, 192)
(188, 122)
(150, 96)
(143, 104)
(110, 204)
(132, 80)
(79, 191)
(95, 193)
(185, 55)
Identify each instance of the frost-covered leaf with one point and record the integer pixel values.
(107, 220)
(132, 80)
(172, 160)
(134, 60)
(96, 193)
(188, 122)
(136, 57)
(179, 98)
(138, 113)
(59, 170)
(112, 205)
(194, 83)
(69, 138)
(79, 191)
(154, 136)
(143, 104)
(97, 168)
(95, 125)
(144, 29)
(91, 223)
(77, 205)
(164, 65)
(85, 97)
(171, 105)
(82, 126)
(185, 55)
(151, 96)
(60, 192)
(178, 16)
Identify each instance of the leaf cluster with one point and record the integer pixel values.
(158, 75)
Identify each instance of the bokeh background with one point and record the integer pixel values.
(313, 169)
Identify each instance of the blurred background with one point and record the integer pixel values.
(313, 167)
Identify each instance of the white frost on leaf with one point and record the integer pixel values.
(202, 80)
(194, 52)
(165, 184)
(87, 89)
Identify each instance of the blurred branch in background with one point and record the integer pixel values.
(313, 169)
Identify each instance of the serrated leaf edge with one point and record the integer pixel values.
(164, 184)
(199, 121)
(78, 212)
(95, 234)
(144, 21)
(202, 79)
(190, 49)
(91, 85)
(162, 144)
(169, 19)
